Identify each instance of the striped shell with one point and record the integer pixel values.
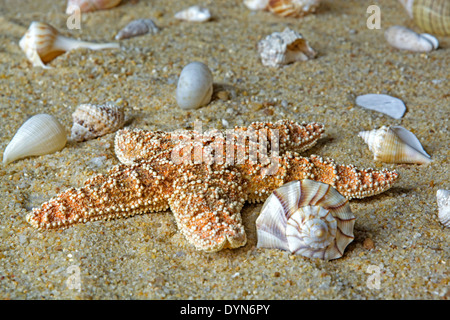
(308, 218)
(39, 135)
(395, 144)
(293, 8)
(431, 16)
(91, 121)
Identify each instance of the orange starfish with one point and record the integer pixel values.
(205, 179)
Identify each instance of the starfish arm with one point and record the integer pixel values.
(124, 191)
(206, 204)
(348, 180)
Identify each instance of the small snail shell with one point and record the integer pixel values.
(306, 217)
(91, 121)
(195, 86)
(194, 14)
(91, 5)
(39, 135)
(395, 145)
(136, 28)
(256, 4)
(443, 201)
(406, 39)
(285, 47)
(42, 43)
(431, 16)
(293, 8)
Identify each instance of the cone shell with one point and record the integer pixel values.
(282, 48)
(91, 121)
(91, 5)
(443, 201)
(39, 135)
(293, 8)
(308, 218)
(395, 145)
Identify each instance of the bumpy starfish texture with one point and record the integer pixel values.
(205, 179)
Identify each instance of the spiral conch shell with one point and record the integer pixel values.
(39, 135)
(431, 16)
(91, 5)
(42, 43)
(91, 121)
(395, 144)
(285, 47)
(308, 218)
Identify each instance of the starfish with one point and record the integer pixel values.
(205, 179)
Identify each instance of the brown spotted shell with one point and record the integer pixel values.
(308, 218)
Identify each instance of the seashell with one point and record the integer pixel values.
(91, 121)
(395, 145)
(406, 39)
(42, 43)
(91, 5)
(194, 14)
(443, 202)
(137, 28)
(39, 135)
(283, 48)
(256, 4)
(431, 16)
(306, 217)
(195, 86)
(384, 103)
(293, 8)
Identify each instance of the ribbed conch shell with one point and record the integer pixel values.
(285, 47)
(91, 121)
(42, 43)
(194, 14)
(406, 39)
(136, 28)
(195, 86)
(306, 217)
(431, 16)
(39, 135)
(293, 8)
(395, 144)
(443, 202)
(91, 5)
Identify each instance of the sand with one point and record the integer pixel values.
(400, 250)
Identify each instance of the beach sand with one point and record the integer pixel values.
(400, 250)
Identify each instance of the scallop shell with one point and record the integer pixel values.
(42, 43)
(384, 103)
(194, 14)
(195, 86)
(137, 28)
(39, 135)
(256, 4)
(306, 217)
(431, 16)
(91, 121)
(91, 5)
(395, 144)
(293, 8)
(285, 47)
(406, 39)
(443, 201)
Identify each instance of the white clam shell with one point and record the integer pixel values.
(91, 5)
(194, 14)
(406, 39)
(383, 103)
(256, 4)
(195, 86)
(91, 121)
(281, 48)
(306, 217)
(39, 135)
(443, 202)
(395, 144)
